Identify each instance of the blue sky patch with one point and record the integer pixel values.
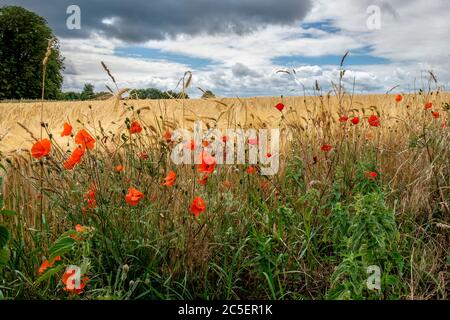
(150, 53)
(352, 59)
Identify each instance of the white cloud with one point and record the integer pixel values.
(414, 37)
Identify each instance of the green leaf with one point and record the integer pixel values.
(4, 256)
(4, 236)
(8, 212)
(60, 247)
(49, 273)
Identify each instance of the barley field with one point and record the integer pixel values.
(364, 182)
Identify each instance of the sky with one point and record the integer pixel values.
(237, 47)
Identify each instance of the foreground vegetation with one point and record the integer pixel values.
(356, 188)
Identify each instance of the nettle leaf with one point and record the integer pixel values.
(4, 256)
(49, 273)
(4, 236)
(60, 247)
(7, 212)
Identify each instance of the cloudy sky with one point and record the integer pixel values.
(236, 47)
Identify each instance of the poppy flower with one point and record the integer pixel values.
(135, 127)
(46, 264)
(67, 131)
(280, 107)
(355, 120)
(374, 121)
(428, 105)
(170, 179)
(71, 284)
(253, 141)
(198, 206)
(41, 148)
(371, 175)
(190, 145)
(207, 164)
(90, 198)
(435, 114)
(143, 155)
(119, 168)
(399, 98)
(167, 136)
(224, 139)
(268, 155)
(326, 148)
(79, 231)
(133, 197)
(251, 170)
(84, 139)
(203, 180)
(343, 119)
(74, 158)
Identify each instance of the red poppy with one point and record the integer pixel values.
(374, 121)
(435, 114)
(399, 98)
(84, 139)
(119, 168)
(167, 136)
(46, 264)
(355, 120)
(90, 198)
(79, 231)
(251, 170)
(326, 148)
(67, 131)
(133, 197)
(143, 155)
(343, 119)
(74, 158)
(268, 155)
(371, 175)
(135, 127)
(224, 139)
(428, 105)
(70, 283)
(41, 148)
(203, 180)
(280, 107)
(170, 179)
(190, 145)
(198, 206)
(207, 164)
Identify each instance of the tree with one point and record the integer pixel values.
(24, 38)
(88, 92)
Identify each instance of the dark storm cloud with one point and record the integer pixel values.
(141, 20)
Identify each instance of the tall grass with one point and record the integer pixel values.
(309, 232)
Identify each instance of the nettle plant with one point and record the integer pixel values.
(364, 237)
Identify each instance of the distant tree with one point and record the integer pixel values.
(174, 95)
(72, 96)
(208, 94)
(152, 93)
(88, 92)
(23, 43)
